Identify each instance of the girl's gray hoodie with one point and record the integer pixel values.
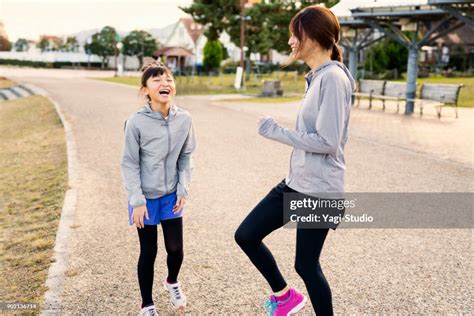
(157, 154)
(317, 161)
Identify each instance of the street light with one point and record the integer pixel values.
(116, 51)
(119, 66)
(244, 4)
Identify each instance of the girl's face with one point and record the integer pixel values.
(160, 88)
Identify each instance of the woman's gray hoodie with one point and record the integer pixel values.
(317, 160)
(157, 154)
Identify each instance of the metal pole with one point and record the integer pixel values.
(353, 56)
(412, 72)
(242, 31)
(353, 61)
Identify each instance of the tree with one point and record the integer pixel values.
(56, 44)
(257, 33)
(5, 44)
(213, 54)
(386, 55)
(224, 15)
(103, 44)
(139, 43)
(214, 14)
(21, 45)
(71, 44)
(44, 44)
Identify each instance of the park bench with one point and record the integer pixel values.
(369, 89)
(272, 88)
(439, 96)
(393, 91)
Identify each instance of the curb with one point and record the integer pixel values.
(57, 269)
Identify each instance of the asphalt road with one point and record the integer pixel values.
(390, 271)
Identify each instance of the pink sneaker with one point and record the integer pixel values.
(293, 304)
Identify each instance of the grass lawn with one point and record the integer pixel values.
(223, 84)
(291, 84)
(33, 169)
(5, 83)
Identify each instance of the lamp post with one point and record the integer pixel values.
(242, 33)
(244, 4)
(119, 67)
(117, 48)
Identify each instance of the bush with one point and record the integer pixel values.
(385, 55)
(213, 55)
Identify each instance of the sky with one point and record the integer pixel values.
(31, 18)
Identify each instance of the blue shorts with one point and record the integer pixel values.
(159, 209)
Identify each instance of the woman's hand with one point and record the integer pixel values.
(138, 214)
(264, 124)
(179, 204)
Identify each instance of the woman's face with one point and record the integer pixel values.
(301, 50)
(160, 88)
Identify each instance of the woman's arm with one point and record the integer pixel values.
(329, 124)
(185, 165)
(131, 166)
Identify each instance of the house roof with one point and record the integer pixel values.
(172, 51)
(463, 35)
(194, 29)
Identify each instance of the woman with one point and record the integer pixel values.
(156, 168)
(316, 165)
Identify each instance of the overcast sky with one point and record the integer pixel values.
(32, 18)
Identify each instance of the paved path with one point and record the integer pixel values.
(370, 271)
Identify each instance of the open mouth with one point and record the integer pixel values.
(165, 92)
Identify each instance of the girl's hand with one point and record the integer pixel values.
(138, 214)
(179, 204)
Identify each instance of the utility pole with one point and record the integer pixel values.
(242, 35)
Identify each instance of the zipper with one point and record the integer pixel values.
(293, 150)
(167, 154)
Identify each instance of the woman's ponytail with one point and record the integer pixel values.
(336, 53)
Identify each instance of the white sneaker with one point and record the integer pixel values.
(148, 311)
(177, 297)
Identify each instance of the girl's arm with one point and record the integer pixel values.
(131, 166)
(329, 124)
(185, 164)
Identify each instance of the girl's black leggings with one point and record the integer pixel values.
(173, 237)
(266, 217)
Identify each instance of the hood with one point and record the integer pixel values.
(338, 64)
(146, 110)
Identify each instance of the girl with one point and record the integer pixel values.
(316, 163)
(156, 169)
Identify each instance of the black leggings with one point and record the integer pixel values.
(266, 217)
(173, 236)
